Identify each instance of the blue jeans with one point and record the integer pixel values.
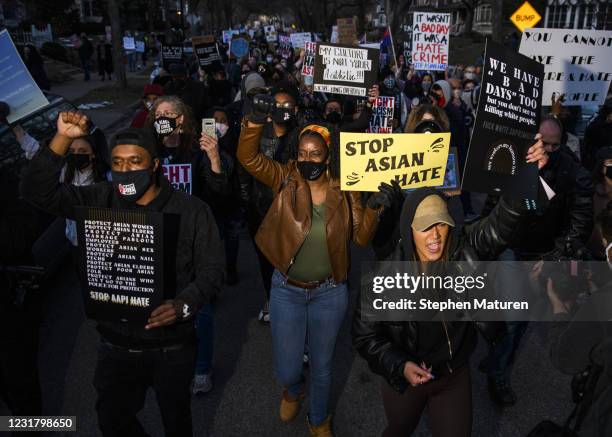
(205, 324)
(297, 317)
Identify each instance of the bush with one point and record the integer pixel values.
(55, 51)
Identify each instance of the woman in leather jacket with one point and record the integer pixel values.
(426, 364)
(305, 235)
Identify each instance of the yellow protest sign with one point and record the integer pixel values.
(525, 17)
(414, 160)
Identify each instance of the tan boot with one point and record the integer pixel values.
(290, 406)
(322, 430)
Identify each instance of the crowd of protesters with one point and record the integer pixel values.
(273, 166)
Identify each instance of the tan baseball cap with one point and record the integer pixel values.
(431, 210)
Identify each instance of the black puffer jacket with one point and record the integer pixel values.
(564, 221)
(387, 346)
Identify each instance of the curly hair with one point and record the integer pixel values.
(417, 113)
(188, 128)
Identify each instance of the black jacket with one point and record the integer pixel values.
(565, 220)
(199, 253)
(387, 346)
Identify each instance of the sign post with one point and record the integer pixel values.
(525, 17)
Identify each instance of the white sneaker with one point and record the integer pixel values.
(202, 384)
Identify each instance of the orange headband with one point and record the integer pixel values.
(321, 130)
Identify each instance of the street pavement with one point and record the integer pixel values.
(244, 401)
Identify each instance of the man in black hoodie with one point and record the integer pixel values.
(160, 354)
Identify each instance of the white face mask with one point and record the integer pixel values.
(221, 129)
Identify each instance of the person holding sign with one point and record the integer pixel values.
(306, 235)
(161, 351)
(426, 364)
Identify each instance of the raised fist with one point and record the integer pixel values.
(72, 124)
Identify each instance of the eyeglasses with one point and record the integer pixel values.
(285, 105)
(168, 114)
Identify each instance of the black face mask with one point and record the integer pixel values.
(131, 185)
(553, 157)
(78, 161)
(311, 170)
(333, 117)
(609, 171)
(282, 115)
(164, 126)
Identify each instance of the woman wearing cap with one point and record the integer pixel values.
(426, 364)
(306, 235)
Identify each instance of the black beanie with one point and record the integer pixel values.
(144, 138)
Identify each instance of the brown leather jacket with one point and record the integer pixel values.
(288, 220)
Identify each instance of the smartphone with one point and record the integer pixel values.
(208, 127)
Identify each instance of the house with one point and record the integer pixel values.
(578, 14)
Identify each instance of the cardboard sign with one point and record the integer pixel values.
(179, 176)
(345, 70)
(121, 260)
(347, 31)
(239, 46)
(129, 43)
(507, 120)
(310, 49)
(206, 50)
(270, 32)
(227, 35)
(171, 55)
(525, 16)
(430, 38)
(284, 45)
(299, 39)
(577, 63)
(17, 87)
(381, 120)
(413, 160)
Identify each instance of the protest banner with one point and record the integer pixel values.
(17, 87)
(171, 55)
(309, 58)
(121, 261)
(179, 176)
(507, 120)
(227, 35)
(129, 43)
(413, 160)
(140, 46)
(270, 32)
(381, 120)
(239, 46)
(345, 70)
(430, 38)
(206, 50)
(347, 31)
(284, 45)
(577, 63)
(298, 40)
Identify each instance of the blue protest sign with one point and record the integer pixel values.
(239, 47)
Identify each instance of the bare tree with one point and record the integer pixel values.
(117, 39)
(497, 20)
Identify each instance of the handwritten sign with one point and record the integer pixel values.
(381, 120)
(284, 45)
(121, 258)
(310, 49)
(345, 70)
(179, 176)
(298, 40)
(577, 63)
(430, 38)
(413, 160)
(507, 121)
(525, 16)
(171, 55)
(129, 43)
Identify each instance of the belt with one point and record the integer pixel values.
(307, 285)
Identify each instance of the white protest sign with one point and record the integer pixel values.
(227, 35)
(129, 43)
(334, 35)
(298, 39)
(430, 37)
(270, 32)
(381, 121)
(577, 63)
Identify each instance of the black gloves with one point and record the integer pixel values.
(386, 195)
